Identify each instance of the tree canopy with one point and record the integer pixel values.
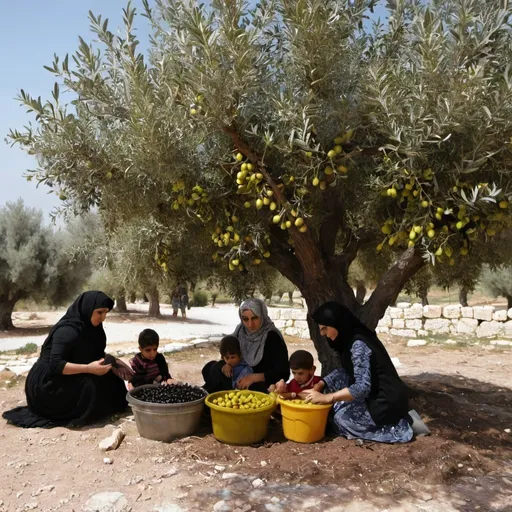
(294, 132)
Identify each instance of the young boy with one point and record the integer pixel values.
(149, 366)
(230, 352)
(303, 371)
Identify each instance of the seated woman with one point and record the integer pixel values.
(70, 384)
(370, 400)
(263, 349)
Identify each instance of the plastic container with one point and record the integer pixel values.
(304, 423)
(165, 422)
(240, 426)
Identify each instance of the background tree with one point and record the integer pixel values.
(292, 132)
(34, 262)
(498, 282)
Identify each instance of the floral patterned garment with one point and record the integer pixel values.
(352, 419)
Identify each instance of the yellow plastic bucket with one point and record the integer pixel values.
(304, 423)
(240, 426)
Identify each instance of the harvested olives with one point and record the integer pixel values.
(170, 394)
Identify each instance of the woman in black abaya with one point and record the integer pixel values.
(70, 384)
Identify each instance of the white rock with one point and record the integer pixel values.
(451, 311)
(488, 329)
(405, 333)
(258, 483)
(509, 313)
(414, 312)
(263, 463)
(219, 468)
(274, 313)
(30, 506)
(507, 329)
(450, 342)
(289, 323)
(301, 324)
(385, 321)
(396, 312)
(500, 315)
(280, 324)
(396, 362)
(414, 324)
(398, 323)
(439, 325)
(221, 506)
(292, 331)
(502, 343)
(483, 312)
(382, 329)
(467, 326)
(229, 476)
(200, 342)
(170, 472)
(432, 311)
(466, 312)
(422, 332)
(416, 343)
(107, 502)
(169, 507)
(286, 314)
(44, 488)
(113, 441)
(403, 305)
(299, 314)
(107, 460)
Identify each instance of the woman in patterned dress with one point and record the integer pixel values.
(369, 399)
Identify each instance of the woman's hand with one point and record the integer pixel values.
(227, 370)
(315, 397)
(281, 387)
(97, 368)
(168, 382)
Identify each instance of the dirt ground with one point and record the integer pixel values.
(462, 393)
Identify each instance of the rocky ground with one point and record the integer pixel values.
(462, 392)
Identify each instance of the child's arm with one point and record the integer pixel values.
(138, 372)
(164, 369)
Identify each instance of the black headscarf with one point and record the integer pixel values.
(78, 316)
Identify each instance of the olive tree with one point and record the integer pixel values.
(293, 132)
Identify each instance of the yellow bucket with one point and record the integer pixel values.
(240, 426)
(304, 423)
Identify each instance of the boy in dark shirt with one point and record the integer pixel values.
(149, 366)
(303, 371)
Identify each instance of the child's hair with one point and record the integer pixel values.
(301, 360)
(229, 345)
(148, 338)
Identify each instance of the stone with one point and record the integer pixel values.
(502, 343)
(396, 362)
(422, 332)
(44, 488)
(396, 313)
(414, 312)
(437, 325)
(509, 313)
(107, 502)
(301, 324)
(107, 460)
(451, 311)
(414, 324)
(170, 472)
(274, 313)
(416, 343)
(385, 321)
(467, 326)
(450, 342)
(229, 476)
(432, 311)
(280, 324)
(403, 305)
(466, 312)
(30, 506)
(258, 482)
(291, 331)
(200, 342)
(289, 323)
(398, 323)
(384, 330)
(113, 441)
(405, 333)
(507, 328)
(489, 329)
(483, 313)
(168, 507)
(500, 315)
(219, 468)
(221, 506)
(299, 314)
(286, 314)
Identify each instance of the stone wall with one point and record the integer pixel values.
(416, 320)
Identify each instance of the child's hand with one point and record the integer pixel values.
(130, 386)
(170, 381)
(315, 397)
(227, 370)
(281, 387)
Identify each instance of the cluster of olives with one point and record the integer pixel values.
(171, 394)
(299, 401)
(237, 400)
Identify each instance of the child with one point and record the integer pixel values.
(230, 352)
(148, 365)
(303, 371)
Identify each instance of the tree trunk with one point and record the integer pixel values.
(423, 293)
(6, 309)
(509, 301)
(154, 303)
(132, 298)
(290, 297)
(360, 291)
(121, 304)
(463, 296)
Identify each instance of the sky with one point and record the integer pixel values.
(31, 31)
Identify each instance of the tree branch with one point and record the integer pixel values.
(389, 286)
